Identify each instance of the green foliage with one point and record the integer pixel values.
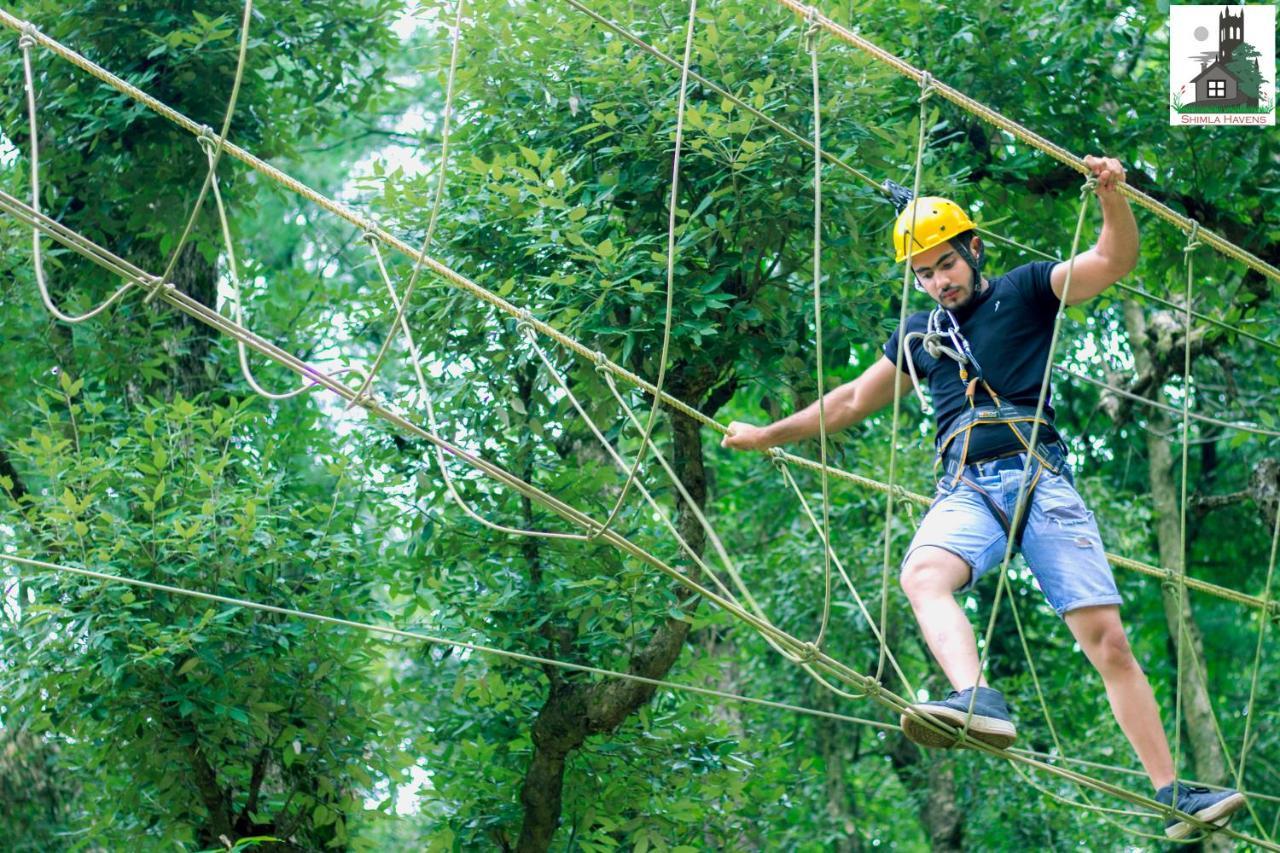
(141, 455)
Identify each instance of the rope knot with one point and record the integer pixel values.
(1088, 186)
(157, 286)
(926, 86)
(778, 457)
(363, 399)
(601, 361)
(524, 322)
(1193, 238)
(1170, 579)
(207, 138)
(594, 531)
(811, 32)
(28, 39)
(370, 235)
(808, 653)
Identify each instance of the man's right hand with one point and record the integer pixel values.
(744, 436)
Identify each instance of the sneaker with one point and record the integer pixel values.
(1214, 807)
(990, 724)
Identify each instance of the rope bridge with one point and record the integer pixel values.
(808, 655)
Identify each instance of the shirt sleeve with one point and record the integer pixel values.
(891, 349)
(1033, 281)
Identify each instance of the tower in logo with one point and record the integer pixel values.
(1227, 80)
(1232, 78)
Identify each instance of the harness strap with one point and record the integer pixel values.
(1014, 416)
(1016, 527)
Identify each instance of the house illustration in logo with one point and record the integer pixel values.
(1218, 84)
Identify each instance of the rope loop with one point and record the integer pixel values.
(926, 86)
(1088, 186)
(811, 32)
(207, 138)
(28, 39)
(1193, 238)
(156, 286)
(370, 236)
(778, 457)
(601, 361)
(524, 322)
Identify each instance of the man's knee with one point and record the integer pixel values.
(931, 572)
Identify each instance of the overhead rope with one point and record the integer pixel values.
(1055, 151)
(811, 46)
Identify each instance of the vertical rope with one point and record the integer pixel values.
(671, 263)
(926, 89)
(811, 45)
(1023, 492)
(1263, 621)
(1180, 573)
(25, 42)
(220, 141)
(446, 124)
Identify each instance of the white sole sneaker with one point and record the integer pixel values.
(989, 730)
(1218, 814)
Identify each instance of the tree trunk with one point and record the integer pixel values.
(575, 711)
(1208, 762)
(838, 746)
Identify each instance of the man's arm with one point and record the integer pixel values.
(843, 407)
(1116, 253)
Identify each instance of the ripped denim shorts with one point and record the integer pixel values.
(1061, 543)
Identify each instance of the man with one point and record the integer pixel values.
(984, 349)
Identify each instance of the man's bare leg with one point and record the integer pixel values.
(930, 579)
(1101, 635)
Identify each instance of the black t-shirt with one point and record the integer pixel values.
(1008, 327)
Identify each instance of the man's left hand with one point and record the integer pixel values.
(1107, 170)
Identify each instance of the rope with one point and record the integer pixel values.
(1139, 292)
(415, 361)
(1020, 505)
(1180, 572)
(237, 297)
(1057, 152)
(811, 46)
(28, 39)
(672, 206)
(908, 274)
(417, 636)
(455, 38)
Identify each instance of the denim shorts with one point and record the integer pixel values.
(1060, 543)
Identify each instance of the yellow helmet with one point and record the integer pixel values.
(937, 220)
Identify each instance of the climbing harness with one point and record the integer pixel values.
(943, 338)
